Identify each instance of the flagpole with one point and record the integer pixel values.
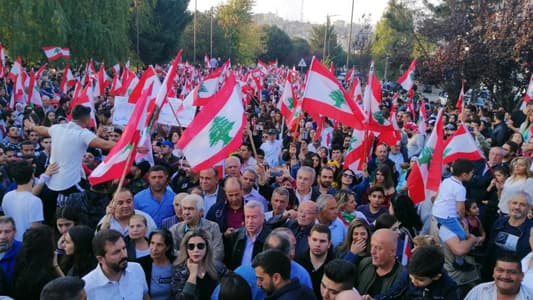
(176, 117)
(252, 141)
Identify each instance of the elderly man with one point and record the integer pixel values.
(280, 203)
(329, 216)
(248, 180)
(193, 210)
(211, 190)
(476, 187)
(246, 242)
(9, 248)
(381, 157)
(511, 234)
(229, 214)
(119, 211)
(378, 272)
(304, 184)
(507, 284)
(301, 227)
(232, 166)
(156, 200)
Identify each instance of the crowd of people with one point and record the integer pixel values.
(282, 218)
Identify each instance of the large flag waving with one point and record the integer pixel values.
(371, 100)
(217, 130)
(287, 101)
(358, 150)
(407, 80)
(55, 52)
(324, 95)
(117, 160)
(461, 145)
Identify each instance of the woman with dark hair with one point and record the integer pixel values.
(79, 258)
(405, 211)
(196, 273)
(347, 181)
(49, 119)
(158, 265)
(35, 265)
(233, 286)
(356, 245)
(383, 178)
(66, 218)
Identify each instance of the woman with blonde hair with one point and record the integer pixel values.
(136, 242)
(520, 180)
(356, 245)
(196, 273)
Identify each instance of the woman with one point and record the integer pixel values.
(356, 245)
(35, 265)
(233, 286)
(404, 210)
(520, 180)
(49, 119)
(195, 274)
(79, 258)
(158, 265)
(347, 181)
(525, 127)
(384, 179)
(346, 205)
(66, 218)
(136, 241)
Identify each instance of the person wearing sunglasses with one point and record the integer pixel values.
(196, 273)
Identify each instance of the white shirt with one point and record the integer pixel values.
(487, 290)
(69, 143)
(528, 272)
(24, 208)
(272, 151)
(451, 191)
(131, 285)
(114, 224)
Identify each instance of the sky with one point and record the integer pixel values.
(314, 11)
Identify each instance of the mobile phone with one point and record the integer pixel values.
(110, 129)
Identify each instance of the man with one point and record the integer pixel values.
(511, 234)
(339, 275)
(328, 214)
(119, 211)
(336, 153)
(377, 274)
(279, 202)
(157, 199)
(20, 204)
(167, 158)
(184, 179)
(136, 182)
(476, 188)
(301, 227)
(325, 180)
(304, 184)
(245, 243)
(500, 133)
(229, 214)
(212, 192)
(271, 147)
(178, 212)
(12, 139)
(272, 269)
(415, 140)
(248, 180)
(509, 151)
(400, 160)
(507, 282)
(374, 209)
(114, 277)
(27, 152)
(70, 142)
(245, 152)
(193, 210)
(68, 288)
(232, 166)
(318, 255)
(9, 248)
(381, 157)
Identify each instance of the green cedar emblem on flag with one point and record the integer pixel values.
(425, 156)
(337, 97)
(220, 131)
(291, 103)
(202, 89)
(378, 116)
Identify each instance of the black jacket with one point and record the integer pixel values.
(292, 290)
(235, 243)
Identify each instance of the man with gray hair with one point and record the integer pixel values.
(248, 180)
(232, 166)
(193, 210)
(329, 216)
(305, 178)
(243, 244)
(510, 234)
(9, 248)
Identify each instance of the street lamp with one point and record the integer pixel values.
(324, 51)
(349, 39)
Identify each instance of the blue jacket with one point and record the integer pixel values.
(8, 261)
(217, 213)
(443, 289)
(292, 290)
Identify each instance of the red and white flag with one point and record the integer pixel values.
(324, 95)
(375, 120)
(529, 92)
(16, 70)
(460, 101)
(33, 90)
(407, 80)
(207, 61)
(17, 95)
(116, 162)
(40, 71)
(116, 69)
(102, 81)
(355, 91)
(287, 101)
(217, 130)
(208, 87)
(128, 81)
(358, 150)
(85, 98)
(55, 52)
(461, 145)
(422, 127)
(263, 67)
(116, 85)
(148, 80)
(3, 70)
(67, 80)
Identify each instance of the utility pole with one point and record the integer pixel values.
(211, 35)
(325, 38)
(386, 67)
(194, 33)
(348, 49)
(137, 28)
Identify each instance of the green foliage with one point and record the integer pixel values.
(203, 34)
(277, 43)
(334, 52)
(300, 49)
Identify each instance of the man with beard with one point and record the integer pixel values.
(157, 200)
(317, 256)
(507, 282)
(509, 151)
(273, 269)
(167, 158)
(325, 179)
(136, 182)
(510, 234)
(9, 248)
(114, 277)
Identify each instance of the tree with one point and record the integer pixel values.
(300, 49)
(277, 44)
(203, 33)
(333, 51)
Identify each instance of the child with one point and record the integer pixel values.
(494, 191)
(424, 240)
(374, 209)
(449, 207)
(472, 218)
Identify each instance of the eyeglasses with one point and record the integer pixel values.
(347, 175)
(200, 246)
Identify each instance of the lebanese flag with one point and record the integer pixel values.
(128, 81)
(296, 116)
(529, 92)
(355, 91)
(263, 67)
(203, 93)
(422, 127)
(116, 85)
(407, 80)
(391, 138)
(3, 70)
(33, 91)
(217, 130)
(116, 162)
(116, 69)
(375, 119)
(324, 95)
(16, 70)
(102, 81)
(55, 52)
(40, 71)
(90, 70)
(17, 95)
(406, 250)
(287, 101)
(358, 150)
(207, 62)
(148, 79)
(67, 80)
(461, 145)
(429, 165)
(85, 98)
(459, 105)
(350, 77)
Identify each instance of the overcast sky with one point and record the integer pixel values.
(314, 11)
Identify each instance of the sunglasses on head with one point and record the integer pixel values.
(200, 246)
(348, 175)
